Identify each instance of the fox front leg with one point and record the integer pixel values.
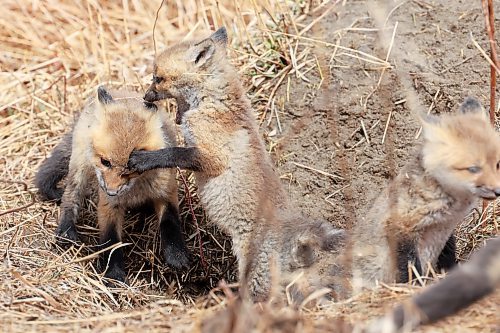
(66, 232)
(188, 158)
(173, 247)
(110, 221)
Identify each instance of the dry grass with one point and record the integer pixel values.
(54, 55)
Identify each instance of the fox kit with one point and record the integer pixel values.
(108, 129)
(233, 171)
(462, 287)
(414, 218)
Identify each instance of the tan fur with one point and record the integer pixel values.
(238, 178)
(430, 196)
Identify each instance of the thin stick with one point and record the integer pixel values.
(483, 53)
(490, 28)
(321, 172)
(386, 126)
(195, 220)
(154, 26)
(489, 18)
(17, 209)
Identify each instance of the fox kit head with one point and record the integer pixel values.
(185, 69)
(462, 151)
(122, 125)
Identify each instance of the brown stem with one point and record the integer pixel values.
(195, 220)
(489, 17)
(25, 188)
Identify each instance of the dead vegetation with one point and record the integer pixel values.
(55, 54)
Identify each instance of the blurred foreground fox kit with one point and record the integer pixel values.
(107, 131)
(237, 184)
(462, 287)
(414, 218)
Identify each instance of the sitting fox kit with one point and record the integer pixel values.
(414, 218)
(234, 173)
(107, 131)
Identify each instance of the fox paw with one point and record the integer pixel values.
(66, 234)
(139, 161)
(117, 274)
(176, 256)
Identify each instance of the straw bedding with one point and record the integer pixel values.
(54, 55)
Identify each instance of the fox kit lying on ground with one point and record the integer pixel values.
(233, 171)
(415, 216)
(462, 287)
(107, 131)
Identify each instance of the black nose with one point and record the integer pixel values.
(151, 96)
(497, 192)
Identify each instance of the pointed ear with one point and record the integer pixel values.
(472, 105)
(431, 127)
(220, 36)
(103, 96)
(202, 52)
(427, 119)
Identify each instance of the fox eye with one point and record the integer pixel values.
(498, 165)
(157, 79)
(150, 106)
(474, 169)
(106, 163)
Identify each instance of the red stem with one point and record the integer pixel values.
(489, 16)
(195, 220)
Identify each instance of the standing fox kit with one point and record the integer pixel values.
(414, 218)
(107, 131)
(234, 173)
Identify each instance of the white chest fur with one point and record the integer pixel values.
(230, 199)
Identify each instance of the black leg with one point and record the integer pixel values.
(173, 246)
(447, 258)
(407, 252)
(53, 170)
(112, 261)
(183, 157)
(66, 233)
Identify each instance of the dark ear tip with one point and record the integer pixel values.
(470, 104)
(220, 36)
(103, 96)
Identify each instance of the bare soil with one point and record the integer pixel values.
(323, 127)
